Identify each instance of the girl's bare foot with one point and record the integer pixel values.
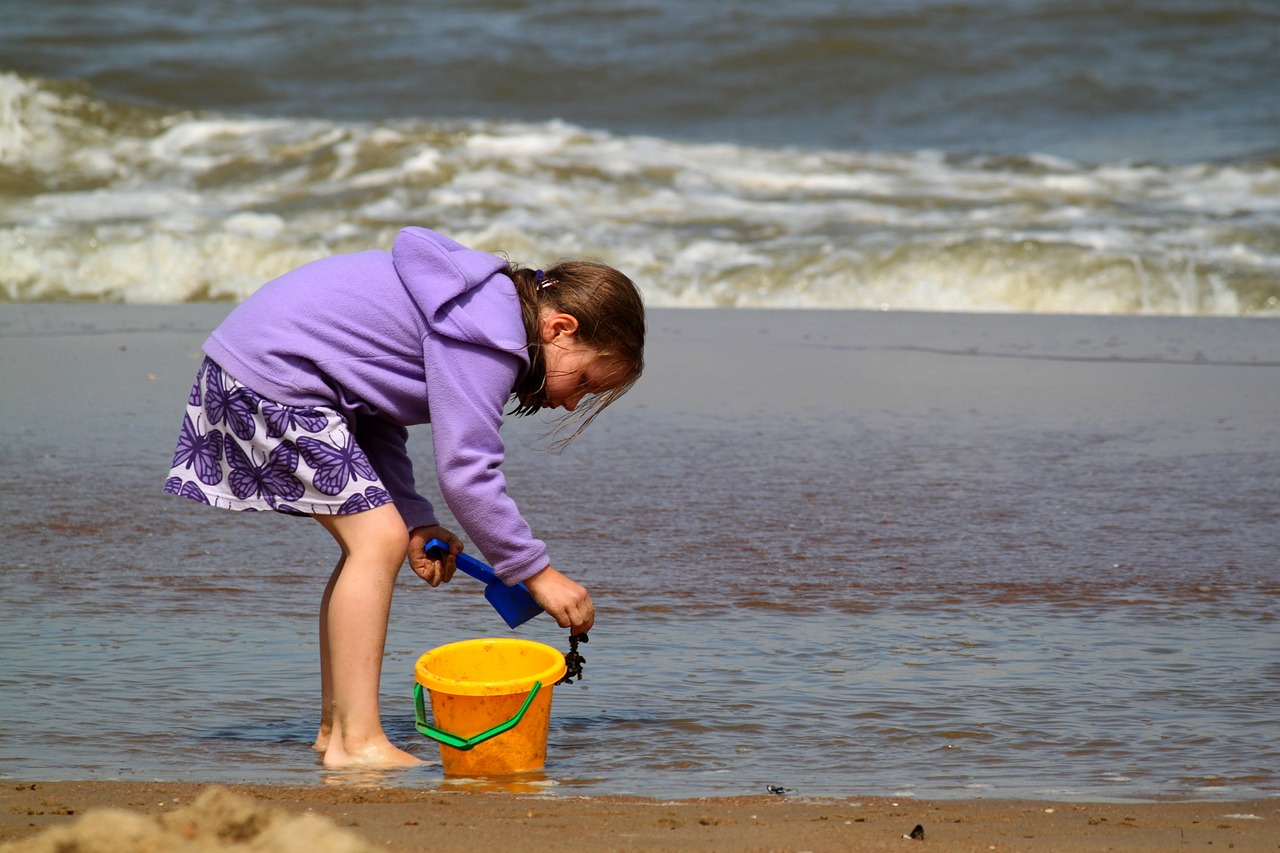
(374, 756)
(322, 741)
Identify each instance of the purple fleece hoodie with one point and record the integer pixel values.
(376, 335)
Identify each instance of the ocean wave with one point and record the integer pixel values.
(114, 202)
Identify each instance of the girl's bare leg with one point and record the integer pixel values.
(354, 616)
(326, 671)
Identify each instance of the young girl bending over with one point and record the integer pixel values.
(301, 405)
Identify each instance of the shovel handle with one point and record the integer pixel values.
(457, 741)
(468, 564)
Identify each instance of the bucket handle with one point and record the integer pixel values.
(465, 743)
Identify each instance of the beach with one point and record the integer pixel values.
(947, 499)
(919, 664)
(358, 820)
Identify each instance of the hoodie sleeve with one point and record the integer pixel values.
(385, 445)
(469, 385)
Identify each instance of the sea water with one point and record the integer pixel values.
(884, 576)
(1040, 156)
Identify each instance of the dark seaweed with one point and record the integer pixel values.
(573, 661)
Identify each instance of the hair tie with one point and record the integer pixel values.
(543, 281)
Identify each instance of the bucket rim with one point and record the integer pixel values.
(548, 675)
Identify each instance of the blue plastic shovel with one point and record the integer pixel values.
(514, 604)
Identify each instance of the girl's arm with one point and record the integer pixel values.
(468, 386)
(384, 443)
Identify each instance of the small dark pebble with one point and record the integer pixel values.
(917, 833)
(573, 661)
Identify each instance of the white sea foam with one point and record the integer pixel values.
(169, 207)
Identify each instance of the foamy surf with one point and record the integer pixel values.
(110, 202)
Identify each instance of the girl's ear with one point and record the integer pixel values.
(555, 325)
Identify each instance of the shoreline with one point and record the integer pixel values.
(111, 815)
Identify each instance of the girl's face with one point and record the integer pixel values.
(574, 369)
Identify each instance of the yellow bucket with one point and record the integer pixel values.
(491, 703)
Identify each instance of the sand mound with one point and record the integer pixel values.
(217, 822)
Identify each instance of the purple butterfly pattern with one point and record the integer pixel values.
(335, 466)
(272, 480)
(202, 450)
(240, 450)
(372, 497)
(234, 406)
(185, 488)
(281, 419)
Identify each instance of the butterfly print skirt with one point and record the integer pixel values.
(241, 451)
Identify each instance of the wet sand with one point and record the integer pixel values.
(110, 816)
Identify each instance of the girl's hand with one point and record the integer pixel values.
(434, 572)
(568, 602)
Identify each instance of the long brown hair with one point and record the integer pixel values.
(610, 315)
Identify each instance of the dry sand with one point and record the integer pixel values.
(105, 817)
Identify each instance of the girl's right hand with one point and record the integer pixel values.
(431, 570)
(567, 601)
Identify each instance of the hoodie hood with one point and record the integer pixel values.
(464, 294)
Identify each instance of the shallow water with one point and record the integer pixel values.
(929, 576)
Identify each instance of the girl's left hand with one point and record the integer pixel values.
(434, 572)
(567, 601)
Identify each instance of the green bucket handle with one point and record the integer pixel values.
(466, 743)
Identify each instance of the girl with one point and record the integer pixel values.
(302, 402)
